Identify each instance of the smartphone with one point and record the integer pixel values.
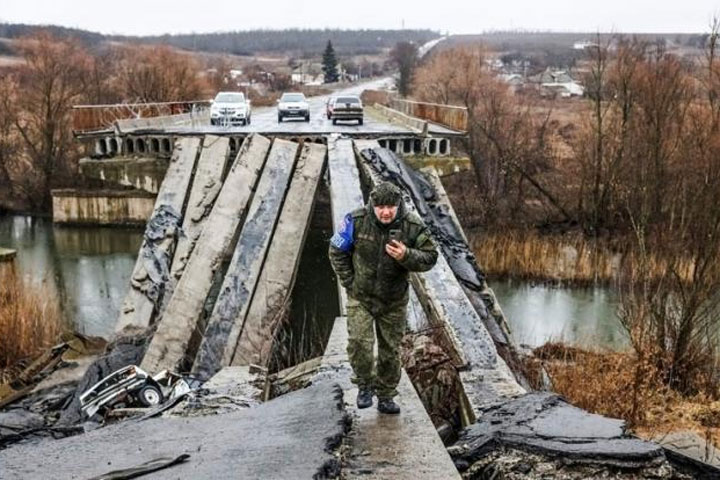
(395, 234)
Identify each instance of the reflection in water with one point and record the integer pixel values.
(579, 316)
(86, 268)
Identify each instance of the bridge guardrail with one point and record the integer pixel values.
(92, 118)
(452, 116)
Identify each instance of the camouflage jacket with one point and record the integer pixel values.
(370, 275)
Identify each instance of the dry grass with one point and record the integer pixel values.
(620, 385)
(568, 258)
(30, 321)
(532, 256)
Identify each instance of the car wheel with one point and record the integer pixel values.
(212, 121)
(279, 118)
(307, 119)
(360, 122)
(248, 121)
(334, 121)
(150, 395)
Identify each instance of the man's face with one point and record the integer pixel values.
(386, 213)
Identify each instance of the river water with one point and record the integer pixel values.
(539, 313)
(88, 270)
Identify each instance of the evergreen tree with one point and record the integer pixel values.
(329, 64)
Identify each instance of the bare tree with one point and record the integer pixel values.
(158, 74)
(405, 57)
(52, 80)
(507, 143)
(711, 79)
(8, 140)
(670, 302)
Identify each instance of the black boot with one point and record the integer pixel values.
(388, 405)
(364, 398)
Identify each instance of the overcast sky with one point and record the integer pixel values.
(143, 17)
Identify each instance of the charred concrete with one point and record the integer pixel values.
(240, 444)
(546, 426)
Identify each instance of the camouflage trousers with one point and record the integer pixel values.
(384, 375)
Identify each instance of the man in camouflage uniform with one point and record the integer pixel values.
(372, 253)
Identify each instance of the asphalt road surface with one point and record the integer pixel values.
(264, 119)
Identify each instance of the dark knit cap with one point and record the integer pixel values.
(386, 193)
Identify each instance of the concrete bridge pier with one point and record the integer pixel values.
(411, 146)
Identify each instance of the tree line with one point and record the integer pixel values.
(637, 168)
(37, 149)
(363, 41)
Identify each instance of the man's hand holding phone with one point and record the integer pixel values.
(395, 248)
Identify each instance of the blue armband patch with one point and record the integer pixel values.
(343, 239)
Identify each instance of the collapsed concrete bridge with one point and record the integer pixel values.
(248, 196)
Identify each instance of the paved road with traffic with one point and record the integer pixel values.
(264, 119)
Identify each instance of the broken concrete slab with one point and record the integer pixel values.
(17, 419)
(433, 205)
(345, 191)
(205, 189)
(546, 424)
(231, 389)
(152, 268)
(692, 445)
(293, 378)
(272, 293)
(442, 198)
(513, 464)
(405, 446)
(293, 436)
(179, 322)
(228, 317)
(691, 453)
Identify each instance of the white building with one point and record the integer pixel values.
(584, 44)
